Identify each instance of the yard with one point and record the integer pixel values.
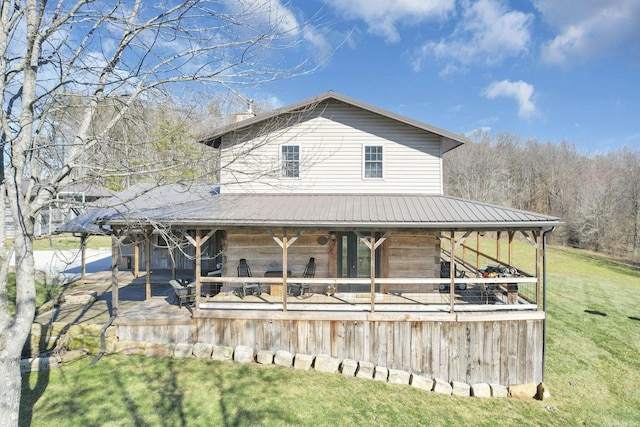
(593, 368)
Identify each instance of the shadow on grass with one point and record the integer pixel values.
(597, 313)
(637, 319)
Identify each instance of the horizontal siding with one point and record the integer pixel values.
(331, 142)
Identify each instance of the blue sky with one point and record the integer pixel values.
(545, 69)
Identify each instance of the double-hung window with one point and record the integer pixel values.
(373, 161)
(290, 161)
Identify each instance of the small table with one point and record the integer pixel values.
(275, 289)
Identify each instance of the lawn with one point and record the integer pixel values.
(44, 293)
(593, 369)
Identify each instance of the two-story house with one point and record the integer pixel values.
(399, 278)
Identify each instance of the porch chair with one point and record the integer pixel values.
(445, 273)
(246, 288)
(183, 294)
(304, 289)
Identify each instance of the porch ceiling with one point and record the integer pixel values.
(336, 211)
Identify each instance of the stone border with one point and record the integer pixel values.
(327, 364)
(85, 339)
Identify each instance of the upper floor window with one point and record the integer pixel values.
(373, 161)
(290, 161)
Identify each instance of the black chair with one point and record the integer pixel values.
(246, 288)
(304, 289)
(183, 294)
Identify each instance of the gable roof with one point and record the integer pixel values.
(451, 140)
(336, 211)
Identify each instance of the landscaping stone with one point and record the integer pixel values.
(441, 386)
(418, 381)
(110, 344)
(349, 367)
(365, 370)
(202, 350)
(35, 364)
(80, 297)
(265, 357)
(381, 373)
(244, 354)
(183, 350)
(130, 347)
(154, 349)
(72, 356)
(75, 330)
(57, 328)
(77, 342)
(460, 389)
(303, 361)
(92, 329)
(283, 358)
(110, 332)
(543, 392)
(397, 376)
(327, 364)
(480, 390)
(523, 391)
(498, 391)
(92, 344)
(222, 353)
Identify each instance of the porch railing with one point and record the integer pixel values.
(469, 293)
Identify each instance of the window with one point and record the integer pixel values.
(290, 161)
(373, 161)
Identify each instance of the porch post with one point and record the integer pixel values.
(83, 262)
(498, 233)
(478, 250)
(136, 258)
(372, 246)
(539, 255)
(511, 234)
(115, 254)
(198, 267)
(285, 247)
(148, 234)
(452, 271)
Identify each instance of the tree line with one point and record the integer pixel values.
(596, 195)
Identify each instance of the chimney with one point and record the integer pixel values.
(248, 114)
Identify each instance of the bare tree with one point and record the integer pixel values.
(108, 57)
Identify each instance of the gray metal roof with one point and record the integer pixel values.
(454, 139)
(370, 211)
(136, 200)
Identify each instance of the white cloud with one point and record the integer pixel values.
(487, 32)
(383, 16)
(520, 91)
(594, 27)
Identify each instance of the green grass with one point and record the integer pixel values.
(592, 370)
(67, 242)
(44, 293)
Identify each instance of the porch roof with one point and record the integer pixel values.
(333, 211)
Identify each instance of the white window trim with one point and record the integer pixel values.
(280, 176)
(364, 156)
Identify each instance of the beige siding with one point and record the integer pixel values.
(332, 141)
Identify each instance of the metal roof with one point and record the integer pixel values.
(355, 211)
(455, 139)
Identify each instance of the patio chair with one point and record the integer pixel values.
(304, 289)
(246, 288)
(445, 273)
(183, 294)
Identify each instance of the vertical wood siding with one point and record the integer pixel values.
(331, 140)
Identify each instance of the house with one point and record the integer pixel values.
(400, 277)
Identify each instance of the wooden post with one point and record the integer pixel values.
(452, 271)
(284, 270)
(83, 256)
(136, 258)
(478, 250)
(498, 233)
(511, 234)
(148, 234)
(539, 254)
(115, 254)
(372, 246)
(198, 267)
